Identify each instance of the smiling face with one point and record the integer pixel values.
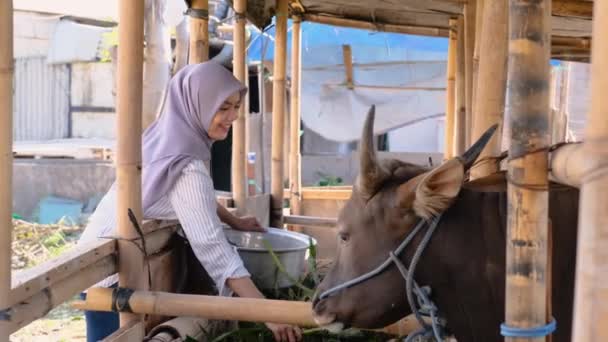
(224, 117)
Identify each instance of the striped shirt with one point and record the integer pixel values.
(191, 201)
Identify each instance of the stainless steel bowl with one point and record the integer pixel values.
(291, 249)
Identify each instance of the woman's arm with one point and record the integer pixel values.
(246, 223)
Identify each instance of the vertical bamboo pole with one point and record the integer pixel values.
(295, 161)
(492, 80)
(476, 52)
(527, 106)
(239, 179)
(591, 296)
(460, 120)
(128, 154)
(199, 32)
(6, 155)
(448, 150)
(278, 114)
(347, 56)
(469, 47)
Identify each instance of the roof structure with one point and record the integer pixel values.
(571, 19)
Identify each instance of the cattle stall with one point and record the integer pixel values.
(498, 75)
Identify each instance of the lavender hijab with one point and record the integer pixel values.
(179, 134)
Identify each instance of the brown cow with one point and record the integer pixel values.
(464, 263)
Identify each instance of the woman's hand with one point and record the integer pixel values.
(247, 223)
(285, 332)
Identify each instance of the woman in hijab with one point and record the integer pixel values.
(202, 102)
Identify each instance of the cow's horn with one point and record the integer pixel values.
(371, 174)
(469, 157)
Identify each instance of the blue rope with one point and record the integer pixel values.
(534, 332)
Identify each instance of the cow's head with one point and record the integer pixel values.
(388, 199)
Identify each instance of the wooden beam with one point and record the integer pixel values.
(591, 296)
(527, 107)
(134, 331)
(239, 179)
(460, 121)
(29, 282)
(278, 114)
(572, 8)
(360, 24)
(41, 303)
(469, 49)
(348, 65)
(450, 108)
(492, 81)
(128, 154)
(199, 32)
(322, 194)
(476, 52)
(310, 221)
(6, 155)
(295, 159)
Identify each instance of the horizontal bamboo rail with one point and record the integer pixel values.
(221, 308)
(567, 164)
(297, 220)
(322, 194)
(417, 30)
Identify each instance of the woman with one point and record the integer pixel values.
(202, 102)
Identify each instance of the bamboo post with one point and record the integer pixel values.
(591, 296)
(278, 114)
(295, 160)
(469, 47)
(460, 120)
(347, 55)
(199, 31)
(6, 156)
(476, 51)
(448, 150)
(128, 154)
(527, 107)
(492, 80)
(239, 179)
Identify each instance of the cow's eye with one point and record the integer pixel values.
(343, 237)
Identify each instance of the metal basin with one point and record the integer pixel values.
(291, 249)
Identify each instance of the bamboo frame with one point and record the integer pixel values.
(460, 120)
(567, 164)
(199, 34)
(448, 150)
(295, 159)
(492, 81)
(239, 179)
(310, 221)
(278, 114)
(527, 104)
(416, 30)
(6, 155)
(313, 193)
(476, 51)
(469, 49)
(128, 154)
(590, 307)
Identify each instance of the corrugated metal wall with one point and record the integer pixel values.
(41, 100)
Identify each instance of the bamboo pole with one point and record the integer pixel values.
(310, 221)
(199, 32)
(128, 154)
(239, 179)
(360, 24)
(527, 107)
(476, 52)
(460, 120)
(278, 114)
(492, 81)
(448, 150)
(6, 155)
(295, 159)
(469, 49)
(591, 296)
(221, 308)
(347, 55)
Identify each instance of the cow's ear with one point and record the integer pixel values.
(434, 191)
